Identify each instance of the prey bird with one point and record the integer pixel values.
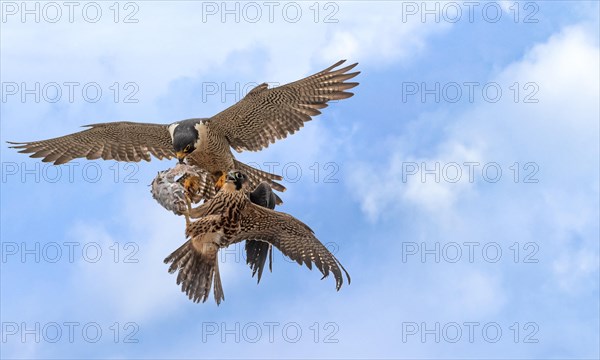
(230, 217)
(176, 188)
(263, 116)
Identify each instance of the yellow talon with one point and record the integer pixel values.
(191, 184)
(219, 184)
(193, 187)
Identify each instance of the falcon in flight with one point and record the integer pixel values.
(231, 217)
(261, 117)
(172, 190)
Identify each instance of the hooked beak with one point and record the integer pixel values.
(180, 156)
(230, 176)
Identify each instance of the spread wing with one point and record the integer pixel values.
(266, 115)
(292, 237)
(121, 141)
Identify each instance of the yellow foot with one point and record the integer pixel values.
(219, 184)
(191, 184)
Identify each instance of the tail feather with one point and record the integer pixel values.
(197, 271)
(218, 286)
(256, 176)
(257, 251)
(177, 257)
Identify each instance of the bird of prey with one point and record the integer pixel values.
(231, 217)
(263, 116)
(170, 190)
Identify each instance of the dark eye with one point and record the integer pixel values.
(187, 148)
(238, 175)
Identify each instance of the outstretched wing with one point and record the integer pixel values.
(266, 115)
(292, 237)
(121, 141)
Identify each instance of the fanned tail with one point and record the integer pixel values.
(196, 272)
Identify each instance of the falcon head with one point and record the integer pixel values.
(185, 138)
(236, 178)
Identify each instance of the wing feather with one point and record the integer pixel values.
(121, 141)
(258, 251)
(294, 238)
(266, 115)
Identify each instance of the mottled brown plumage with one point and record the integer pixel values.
(266, 115)
(263, 116)
(231, 217)
(121, 141)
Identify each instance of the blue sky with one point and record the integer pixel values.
(459, 186)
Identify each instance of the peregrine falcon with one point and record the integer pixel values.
(231, 217)
(263, 116)
(170, 190)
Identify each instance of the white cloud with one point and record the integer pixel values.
(141, 291)
(576, 270)
(162, 50)
(559, 214)
(506, 5)
(141, 288)
(565, 70)
(432, 184)
(379, 37)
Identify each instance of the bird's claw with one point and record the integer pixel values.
(220, 182)
(192, 185)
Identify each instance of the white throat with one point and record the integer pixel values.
(172, 129)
